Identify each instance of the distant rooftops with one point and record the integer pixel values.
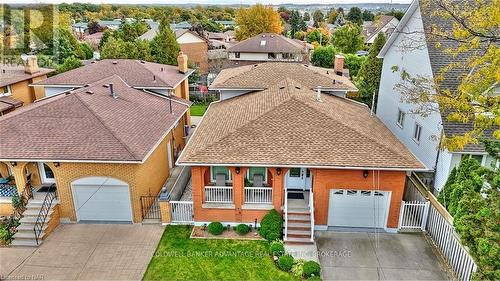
(268, 43)
(136, 73)
(264, 75)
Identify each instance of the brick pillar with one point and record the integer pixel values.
(278, 184)
(198, 181)
(19, 175)
(238, 189)
(166, 216)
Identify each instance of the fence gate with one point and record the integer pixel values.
(413, 215)
(182, 212)
(150, 207)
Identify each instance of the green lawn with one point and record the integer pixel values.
(198, 109)
(180, 258)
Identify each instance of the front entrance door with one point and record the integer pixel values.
(46, 174)
(298, 178)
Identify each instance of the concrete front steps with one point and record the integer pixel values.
(25, 235)
(299, 227)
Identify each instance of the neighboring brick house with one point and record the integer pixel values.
(106, 143)
(15, 81)
(304, 152)
(191, 44)
(267, 47)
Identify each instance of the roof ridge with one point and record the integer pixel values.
(139, 62)
(102, 122)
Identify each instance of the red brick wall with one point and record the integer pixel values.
(197, 53)
(324, 180)
(201, 176)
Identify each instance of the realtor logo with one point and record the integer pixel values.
(28, 29)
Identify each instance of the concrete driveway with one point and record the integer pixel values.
(383, 256)
(85, 252)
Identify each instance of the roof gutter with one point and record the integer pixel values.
(235, 89)
(304, 166)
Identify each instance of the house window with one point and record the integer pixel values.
(220, 170)
(271, 56)
(295, 172)
(478, 157)
(5, 91)
(46, 173)
(237, 55)
(417, 132)
(401, 118)
(252, 171)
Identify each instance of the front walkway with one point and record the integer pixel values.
(85, 251)
(382, 256)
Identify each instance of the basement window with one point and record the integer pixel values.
(5, 91)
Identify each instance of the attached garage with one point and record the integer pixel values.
(358, 208)
(102, 199)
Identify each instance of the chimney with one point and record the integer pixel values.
(318, 94)
(112, 91)
(338, 65)
(31, 65)
(182, 62)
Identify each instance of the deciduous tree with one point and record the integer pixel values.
(164, 46)
(256, 20)
(348, 38)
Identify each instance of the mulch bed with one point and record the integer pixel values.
(198, 232)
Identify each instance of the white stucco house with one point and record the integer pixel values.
(420, 134)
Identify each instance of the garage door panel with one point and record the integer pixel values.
(357, 208)
(102, 202)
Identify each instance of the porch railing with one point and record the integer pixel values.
(218, 194)
(44, 212)
(258, 195)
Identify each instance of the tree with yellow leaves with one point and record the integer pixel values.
(467, 34)
(256, 20)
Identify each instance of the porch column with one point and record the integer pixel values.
(198, 181)
(19, 174)
(238, 189)
(278, 185)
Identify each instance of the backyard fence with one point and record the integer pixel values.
(181, 212)
(150, 207)
(429, 215)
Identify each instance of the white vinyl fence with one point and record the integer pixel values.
(258, 195)
(413, 215)
(447, 241)
(430, 216)
(182, 212)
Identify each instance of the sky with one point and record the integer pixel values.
(207, 1)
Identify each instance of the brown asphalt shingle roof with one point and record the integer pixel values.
(274, 43)
(10, 74)
(90, 126)
(138, 74)
(286, 125)
(265, 75)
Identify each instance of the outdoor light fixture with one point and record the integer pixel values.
(365, 174)
(278, 171)
(57, 164)
(13, 163)
(238, 170)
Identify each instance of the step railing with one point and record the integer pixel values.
(286, 215)
(311, 210)
(218, 194)
(258, 195)
(44, 211)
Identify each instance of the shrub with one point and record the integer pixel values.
(311, 268)
(215, 228)
(271, 226)
(298, 268)
(314, 278)
(242, 229)
(285, 262)
(277, 248)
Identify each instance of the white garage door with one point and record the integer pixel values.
(358, 208)
(101, 199)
